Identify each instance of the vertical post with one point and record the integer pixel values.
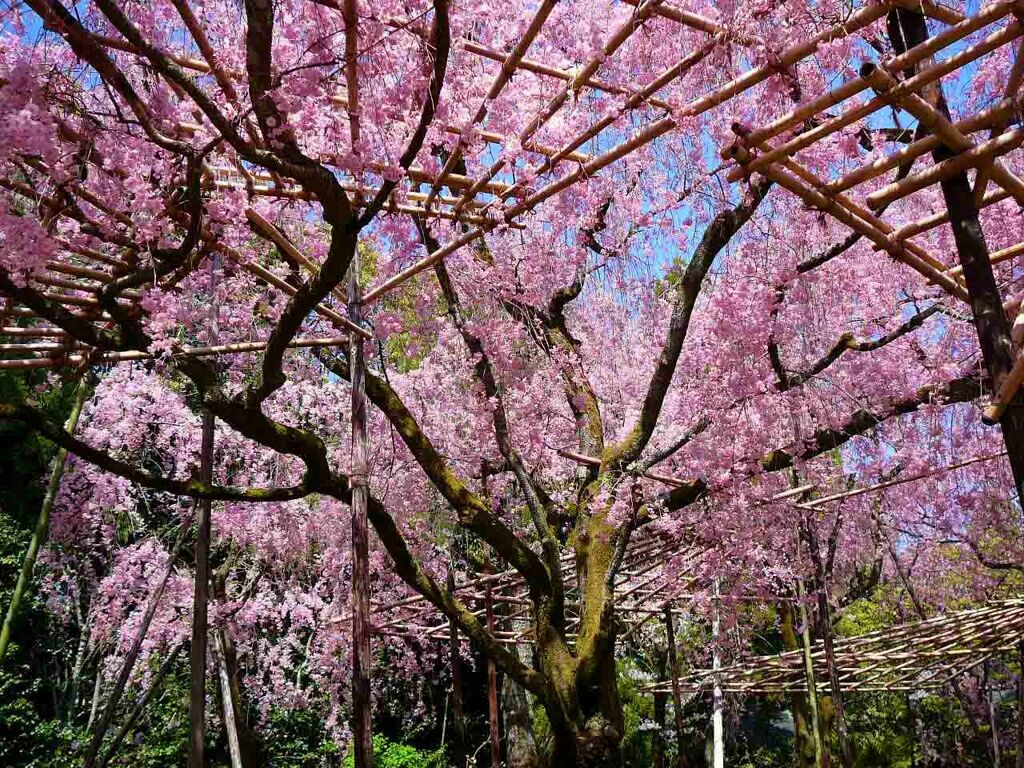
(912, 730)
(820, 755)
(200, 598)
(1020, 704)
(492, 677)
(201, 591)
(677, 699)
(717, 730)
(361, 723)
(43, 521)
(833, 676)
(458, 752)
(812, 686)
(993, 718)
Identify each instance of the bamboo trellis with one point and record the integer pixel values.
(483, 203)
(916, 656)
(655, 573)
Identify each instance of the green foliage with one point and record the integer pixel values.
(296, 738)
(390, 754)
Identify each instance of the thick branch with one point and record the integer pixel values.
(192, 488)
(472, 511)
(716, 237)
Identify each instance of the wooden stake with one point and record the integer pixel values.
(677, 699)
(362, 731)
(492, 679)
(201, 593)
(200, 600)
(458, 752)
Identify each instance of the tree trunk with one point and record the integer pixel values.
(520, 745)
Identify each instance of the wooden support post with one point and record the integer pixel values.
(362, 729)
(820, 755)
(1020, 704)
(993, 718)
(990, 320)
(458, 750)
(717, 726)
(43, 521)
(201, 591)
(677, 699)
(845, 749)
(492, 678)
(200, 599)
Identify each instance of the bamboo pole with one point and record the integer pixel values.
(818, 200)
(942, 217)
(918, 81)
(996, 257)
(922, 146)
(637, 98)
(227, 696)
(508, 68)
(717, 699)
(492, 680)
(644, 11)
(425, 263)
(43, 521)
(1008, 388)
(909, 58)
(677, 699)
(946, 132)
(947, 169)
(1013, 83)
(362, 727)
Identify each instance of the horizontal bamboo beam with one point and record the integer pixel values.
(1006, 392)
(868, 229)
(909, 58)
(976, 122)
(887, 87)
(996, 257)
(31, 331)
(425, 263)
(942, 217)
(971, 158)
(924, 77)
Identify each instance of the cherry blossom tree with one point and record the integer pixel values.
(213, 170)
